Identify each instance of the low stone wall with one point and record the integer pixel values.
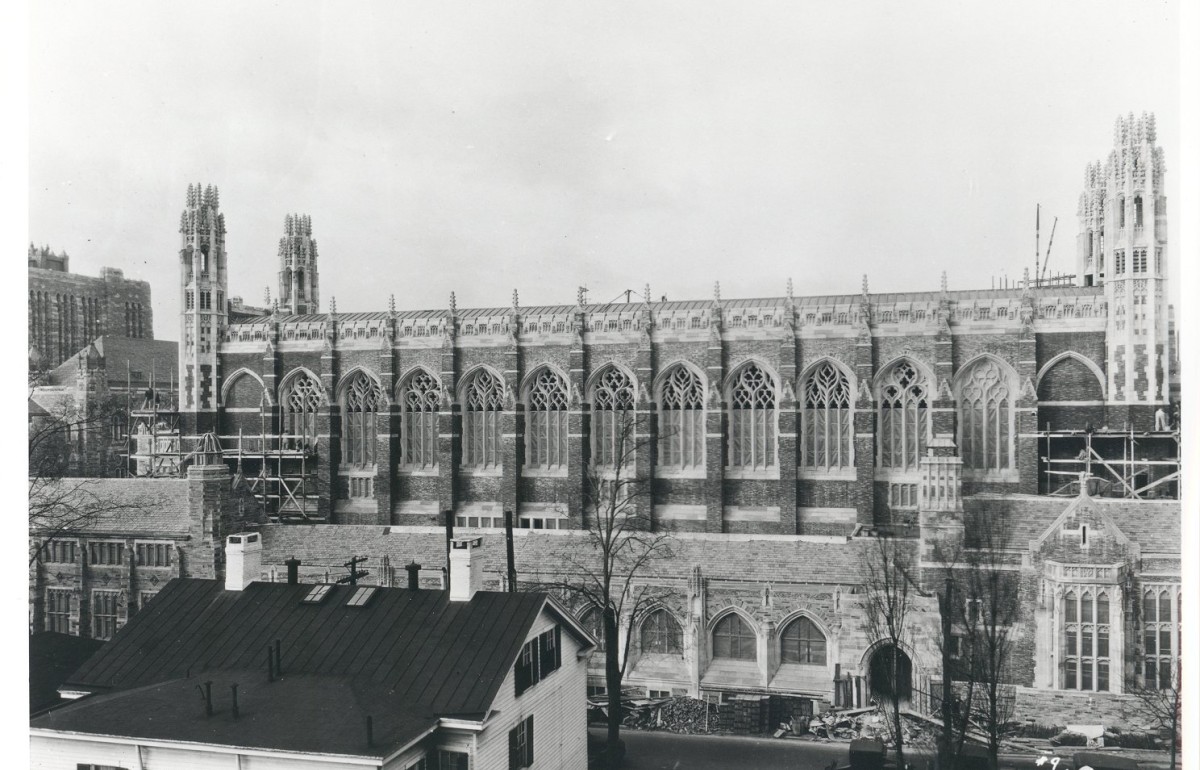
(1059, 707)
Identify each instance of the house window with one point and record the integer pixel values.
(453, 760)
(752, 419)
(1160, 636)
(106, 553)
(681, 445)
(985, 421)
(1085, 641)
(104, 614)
(546, 438)
(520, 744)
(483, 398)
(362, 399)
(827, 424)
(420, 395)
(153, 554)
(58, 610)
(301, 400)
(733, 639)
(59, 552)
(539, 658)
(802, 642)
(903, 417)
(612, 418)
(420, 764)
(661, 634)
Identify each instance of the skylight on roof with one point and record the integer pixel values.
(361, 596)
(317, 594)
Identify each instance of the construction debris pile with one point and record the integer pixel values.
(871, 723)
(676, 715)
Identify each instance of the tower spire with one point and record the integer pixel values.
(298, 266)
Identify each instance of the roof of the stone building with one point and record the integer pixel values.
(540, 554)
(699, 304)
(139, 359)
(403, 657)
(98, 507)
(1153, 524)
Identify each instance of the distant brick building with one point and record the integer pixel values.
(67, 311)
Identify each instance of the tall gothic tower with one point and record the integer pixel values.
(1123, 246)
(202, 274)
(298, 266)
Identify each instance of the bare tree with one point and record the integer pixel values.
(890, 591)
(621, 546)
(1163, 708)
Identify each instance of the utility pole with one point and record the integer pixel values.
(355, 572)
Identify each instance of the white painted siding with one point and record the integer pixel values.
(186, 759)
(285, 763)
(559, 707)
(48, 753)
(59, 754)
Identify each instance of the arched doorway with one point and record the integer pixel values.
(891, 673)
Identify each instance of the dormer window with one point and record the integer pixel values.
(317, 594)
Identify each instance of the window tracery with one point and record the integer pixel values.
(903, 417)
(826, 420)
(661, 634)
(734, 639)
(362, 400)
(802, 642)
(612, 418)
(300, 404)
(752, 419)
(483, 400)
(681, 445)
(420, 397)
(546, 436)
(985, 421)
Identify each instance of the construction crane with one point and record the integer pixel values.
(1039, 269)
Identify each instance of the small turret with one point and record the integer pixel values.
(298, 266)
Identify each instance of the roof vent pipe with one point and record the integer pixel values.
(293, 568)
(233, 687)
(206, 693)
(414, 572)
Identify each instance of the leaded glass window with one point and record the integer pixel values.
(300, 404)
(1085, 639)
(827, 424)
(420, 396)
(681, 400)
(483, 400)
(612, 418)
(593, 620)
(733, 638)
(903, 417)
(985, 421)
(546, 434)
(802, 642)
(752, 419)
(362, 399)
(661, 634)
(1160, 636)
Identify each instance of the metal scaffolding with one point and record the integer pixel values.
(1131, 464)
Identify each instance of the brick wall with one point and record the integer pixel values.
(68, 311)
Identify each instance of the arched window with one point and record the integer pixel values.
(827, 426)
(802, 642)
(546, 435)
(362, 398)
(681, 399)
(612, 418)
(300, 403)
(483, 398)
(593, 620)
(420, 394)
(903, 416)
(985, 417)
(752, 419)
(733, 638)
(661, 634)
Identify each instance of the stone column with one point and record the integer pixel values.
(715, 426)
(449, 420)
(645, 417)
(329, 433)
(387, 424)
(578, 433)
(1025, 424)
(863, 494)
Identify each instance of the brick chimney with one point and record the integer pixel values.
(243, 560)
(466, 568)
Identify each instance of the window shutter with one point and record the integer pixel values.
(528, 741)
(558, 646)
(521, 673)
(514, 757)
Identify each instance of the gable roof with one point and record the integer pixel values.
(413, 655)
(89, 506)
(138, 359)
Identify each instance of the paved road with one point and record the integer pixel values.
(668, 751)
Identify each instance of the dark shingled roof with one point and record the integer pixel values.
(143, 358)
(405, 658)
(1153, 524)
(150, 507)
(52, 658)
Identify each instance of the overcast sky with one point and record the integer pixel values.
(481, 147)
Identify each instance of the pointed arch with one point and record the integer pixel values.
(361, 397)
(1071, 354)
(227, 388)
(681, 391)
(734, 635)
(825, 396)
(660, 632)
(803, 640)
(985, 390)
(301, 396)
(752, 393)
(419, 394)
(612, 393)
(482, 393)
(290, 378)
(598, 372)
(342, 384)
(904, 393)
(547, 396)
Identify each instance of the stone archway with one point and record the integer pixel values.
(890, 672)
